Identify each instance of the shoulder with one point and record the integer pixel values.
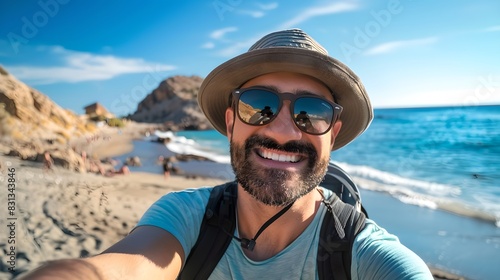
(378, 254)
(198, 194)
(179, 213)
(189, 202)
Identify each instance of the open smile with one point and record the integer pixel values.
(279, 156)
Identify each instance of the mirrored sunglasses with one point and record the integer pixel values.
(310, 113)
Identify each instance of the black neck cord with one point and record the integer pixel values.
(249, 244)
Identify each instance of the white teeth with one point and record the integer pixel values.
(279, 157)
(282, 158)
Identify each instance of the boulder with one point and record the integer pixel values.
(173, 103)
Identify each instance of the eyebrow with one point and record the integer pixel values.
(275, 89)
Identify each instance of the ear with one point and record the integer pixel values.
(335, 131)
(229, 122)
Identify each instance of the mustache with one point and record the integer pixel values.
(290, 146)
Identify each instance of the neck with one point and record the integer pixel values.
(252, 214)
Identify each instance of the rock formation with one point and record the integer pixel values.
(174, 103)
(31, 123)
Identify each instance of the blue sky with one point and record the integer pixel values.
(408, 53)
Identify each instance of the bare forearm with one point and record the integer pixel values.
(65, 269)
(147, 253)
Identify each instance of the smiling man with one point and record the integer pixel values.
(295, 160)
(313, 104)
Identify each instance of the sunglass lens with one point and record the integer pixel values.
(313, 115)
(257, 107)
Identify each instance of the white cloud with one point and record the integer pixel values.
(395, 45)
(236, 48)
(267, 7)
(492, 29)
(83, 66)
(254, 14)
(331, 8)
(219, 36)
(241, 46)
(208, 45)
(220, 33)
(261, 12)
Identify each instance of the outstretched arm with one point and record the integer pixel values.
(146, 253)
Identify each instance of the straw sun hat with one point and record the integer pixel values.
(288, 51)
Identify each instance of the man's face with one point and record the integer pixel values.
(277, 163)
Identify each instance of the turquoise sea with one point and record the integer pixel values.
(442, 164)
(425, 156)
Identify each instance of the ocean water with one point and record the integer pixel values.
(447, 157)
(430, 159)
(433, 156)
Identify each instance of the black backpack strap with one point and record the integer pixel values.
(214, 238)
(338, 230)
(338, 181)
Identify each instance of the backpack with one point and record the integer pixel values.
(336, 236)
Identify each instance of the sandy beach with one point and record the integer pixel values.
(66, 214)
(60, 213)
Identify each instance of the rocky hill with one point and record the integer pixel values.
(174, 103)
(31, 123)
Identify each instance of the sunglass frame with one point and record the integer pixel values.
(282, 96)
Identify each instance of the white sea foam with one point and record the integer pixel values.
(185, 146)
(187, 149)
(424, 194)
(389, 180)
(410, 191)
(419, 201)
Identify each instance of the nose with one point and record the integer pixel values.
(283, 128)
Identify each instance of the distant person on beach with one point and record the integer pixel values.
(167, 166)
(133, 161)
(48, 162)
(123, 170)
(278, 165)
(94, 165)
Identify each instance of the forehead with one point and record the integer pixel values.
(290, 82)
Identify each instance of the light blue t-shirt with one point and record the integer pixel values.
(376, 253)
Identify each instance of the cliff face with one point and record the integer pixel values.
(173, 102)
(31, 123)
(34, 115)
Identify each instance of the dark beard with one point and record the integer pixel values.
(275, 187)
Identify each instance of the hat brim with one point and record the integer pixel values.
(348, 90)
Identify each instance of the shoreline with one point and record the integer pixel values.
(111, 142)
(443, 205)
(76, 206)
